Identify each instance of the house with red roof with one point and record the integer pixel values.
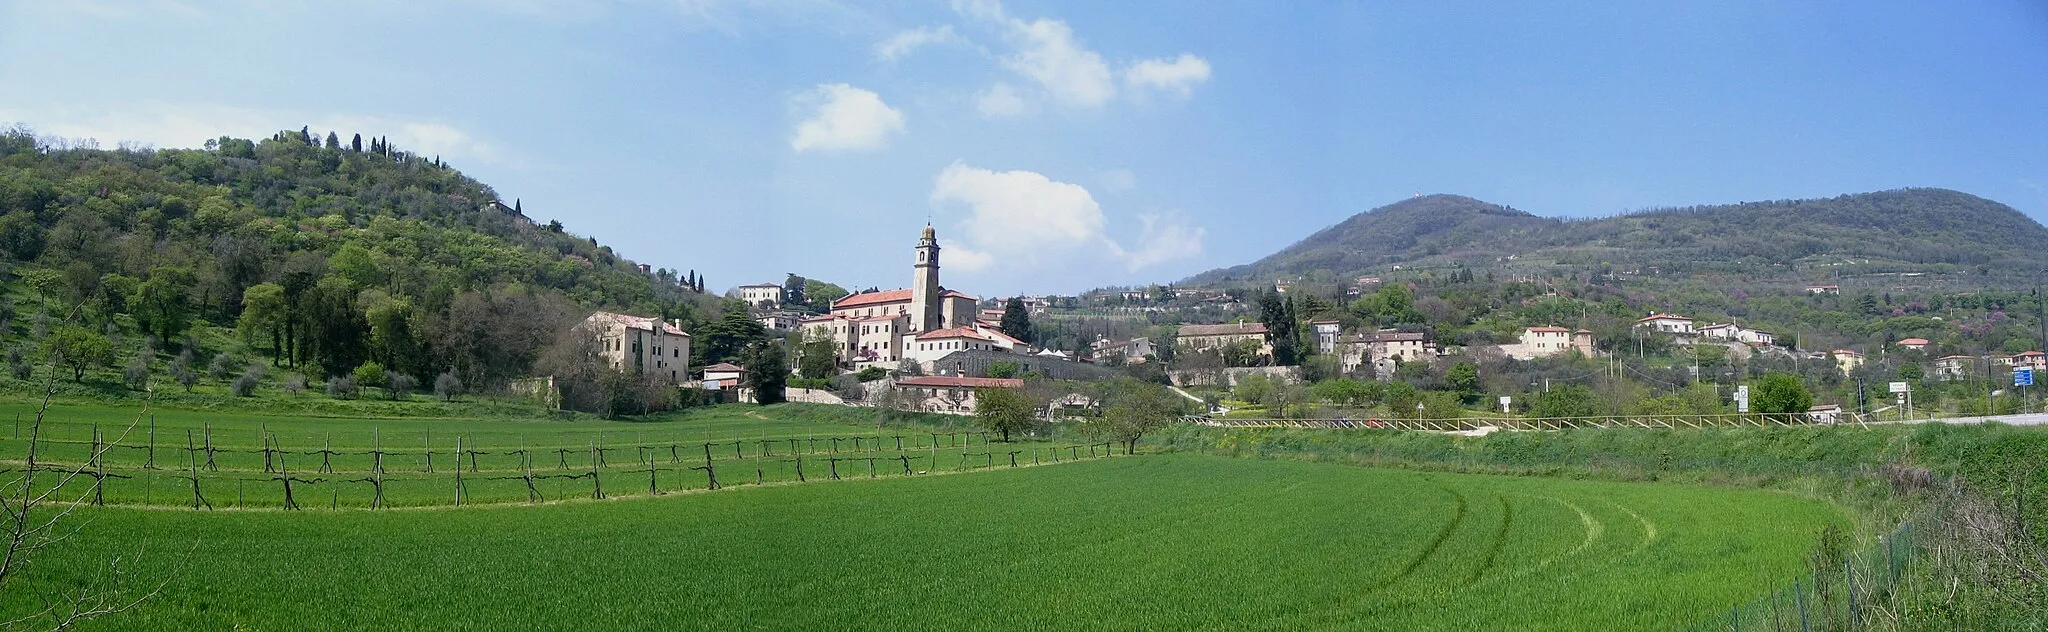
(886, 327)
(1667, 323)
(1916, 344)
(1545, 341)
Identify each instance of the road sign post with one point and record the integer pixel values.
(1742, 398)
(1905, 393)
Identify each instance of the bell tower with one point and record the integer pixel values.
(926, 310)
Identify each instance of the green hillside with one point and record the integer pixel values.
(322, 252)
(1926, 231)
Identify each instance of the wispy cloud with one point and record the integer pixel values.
(844, 118)
(1062, 69)
(904, 43)
(1177, 77)
(1023, 218)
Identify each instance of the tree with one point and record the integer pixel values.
(817, 357)
(447, 387)
(1003, 410)
(1282, 329)
(1017, 321)
(137, 376)
(221, 367)
(1134, 408)
(1779, 393)
(79, 349)
(399, 385)
(793, 290)
(767, 372)
(164, 309)
(1570, 400)
(1463, 377)
(725, 339)
(368, 373)
(263, 314)
(356, 145)
(333, 142)
(1002, 369)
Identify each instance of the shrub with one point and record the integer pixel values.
(137, 377)
(871, 374)
(369, 374)
(245, 385)
(294, 384)
(184, 375)
(341, 387)
(18, 366)
(447, 386)
(399, 385)
(222, 366)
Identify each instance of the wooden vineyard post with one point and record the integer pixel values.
(736, 453)
(710, 473)
(1849, 587)
(192, 455)
(210, 467)
(99, 470)
(596, 479)
(458, 471)
(151, 465)
(1799, 595)
(1013, 457)
(532, 493)
(285, 475)
(871, 467)
(428, 446)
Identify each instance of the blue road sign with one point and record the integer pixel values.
(2023, 377)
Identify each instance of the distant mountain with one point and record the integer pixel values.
(1927, 231)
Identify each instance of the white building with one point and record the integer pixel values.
(1667, 323)
(780, 320)
(1542, 342)
(761, 294)
(1326, 332)
(1737, 333)
(642, 346)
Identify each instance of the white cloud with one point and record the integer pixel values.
(1119, 180)
(1161, 240)
(906, 42)
(1018, 217)
(1177, 77)
(168, 125)
(845, 118)
(1049, 54)
(1003, 101)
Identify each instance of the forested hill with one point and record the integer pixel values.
(1905, 231)
(328, 251)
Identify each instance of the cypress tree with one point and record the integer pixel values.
(333, 142)
(357, 144)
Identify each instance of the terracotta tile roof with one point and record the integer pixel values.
(872, 298)
(1913, 341)
(723, 367)
(2027, 354)
(1558, 330)
(1412, 336)
(956, 332)
(640, 322)
(954, 381)
(1226, 329)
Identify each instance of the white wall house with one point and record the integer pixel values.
(761, 294)
(1667, 323)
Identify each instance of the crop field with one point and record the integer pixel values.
(229, 460)
(1174, 541)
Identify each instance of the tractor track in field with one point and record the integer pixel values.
(1500, 541)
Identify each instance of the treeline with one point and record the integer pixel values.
(321, 254)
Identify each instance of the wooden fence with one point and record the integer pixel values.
(1465, 424)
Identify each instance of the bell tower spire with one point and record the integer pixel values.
(926, 309)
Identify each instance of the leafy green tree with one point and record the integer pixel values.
(767, 372)
(817, 357)
(1345, 391)
(820, 294)
(263, 317)
(1255, 388)
(1781, 393)
(1569, 400)
(164, 309)
(368, 373)
(78, 349)
(1133, 409)
(793, 290)
(1463, 377)
(1002, 369)
(1283, 330)
(1017, 321)
(725, 339)
(1004, 410)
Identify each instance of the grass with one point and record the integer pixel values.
(425, 460)
(1152, 542)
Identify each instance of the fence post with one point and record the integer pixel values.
(1849, 586)
(1799, 594)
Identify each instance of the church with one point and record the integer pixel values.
(920, 323)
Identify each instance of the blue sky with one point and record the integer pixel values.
(1063, 146)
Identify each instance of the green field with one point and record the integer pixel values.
(241, 458)
(1145, 542)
